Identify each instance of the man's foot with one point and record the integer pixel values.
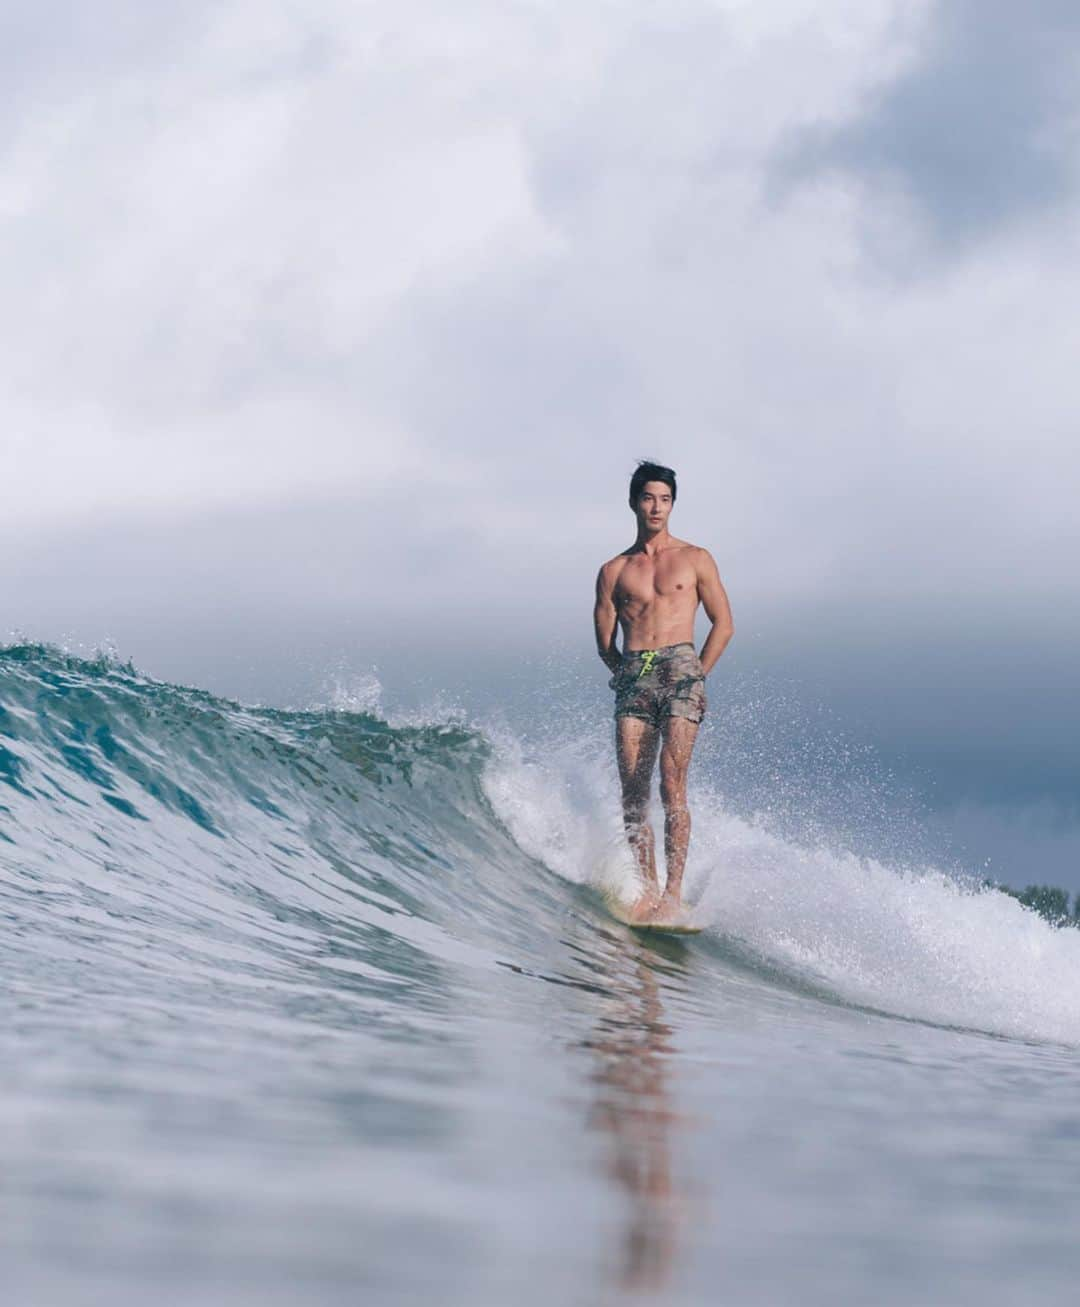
(645, 907)
(669, 910)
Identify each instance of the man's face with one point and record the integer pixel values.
(653, 506)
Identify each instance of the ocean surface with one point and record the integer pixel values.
(318, 1007)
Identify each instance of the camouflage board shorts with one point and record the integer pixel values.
(654, 684)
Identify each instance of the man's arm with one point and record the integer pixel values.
(717, 609)
(605, 618)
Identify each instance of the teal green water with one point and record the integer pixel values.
(306, 1006)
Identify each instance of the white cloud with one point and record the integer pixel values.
(471, 263)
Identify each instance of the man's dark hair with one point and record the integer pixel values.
(650, 472)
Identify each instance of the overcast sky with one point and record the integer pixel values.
(342, 325)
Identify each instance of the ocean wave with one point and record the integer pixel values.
(153, 828)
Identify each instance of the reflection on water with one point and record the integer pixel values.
(631, 1045)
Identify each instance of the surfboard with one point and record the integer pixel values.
(619, 911)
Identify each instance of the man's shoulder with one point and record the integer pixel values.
(697, 552)
(615, 564)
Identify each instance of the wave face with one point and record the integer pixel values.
(147, 826)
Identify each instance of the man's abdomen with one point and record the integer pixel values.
(658, 624)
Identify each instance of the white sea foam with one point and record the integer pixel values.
(346, 691)
(358, 692)
(561, 809)
(910, 941)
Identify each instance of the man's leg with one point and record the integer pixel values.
(679, 736)
(636, 743)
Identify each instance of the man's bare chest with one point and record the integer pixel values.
(645, 580)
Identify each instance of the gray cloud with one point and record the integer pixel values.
(978, 133)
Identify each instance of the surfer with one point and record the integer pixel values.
(652, 591)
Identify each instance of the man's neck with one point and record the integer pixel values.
(651, 542)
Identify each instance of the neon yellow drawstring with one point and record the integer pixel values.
(647, 658)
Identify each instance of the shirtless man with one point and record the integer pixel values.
(652, 590)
